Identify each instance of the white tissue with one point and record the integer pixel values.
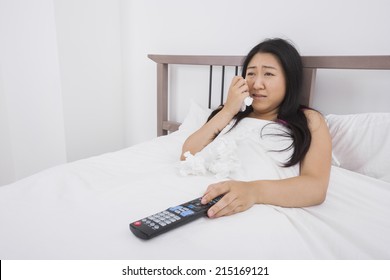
(192, 165)
(218, 158)
(247, 102)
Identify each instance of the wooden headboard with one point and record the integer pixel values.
(310, 66)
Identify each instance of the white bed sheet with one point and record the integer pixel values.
(82, 210)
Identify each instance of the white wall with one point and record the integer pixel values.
(6, 160)
(32, 128)
(334, 27)
(60, 83)
(89, 44)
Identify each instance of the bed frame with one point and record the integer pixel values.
(310, 66)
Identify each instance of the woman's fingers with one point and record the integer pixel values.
(235, 198)
(224, 207)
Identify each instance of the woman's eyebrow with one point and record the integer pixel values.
(264, 66)
(270, 67)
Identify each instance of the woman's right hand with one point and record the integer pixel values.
(238, 90)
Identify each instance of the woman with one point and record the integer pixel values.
(272, 76)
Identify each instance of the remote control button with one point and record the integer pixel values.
(175, 208)
(196, 207)
(187, 213)
(138, 223)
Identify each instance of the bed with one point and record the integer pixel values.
(82, 209)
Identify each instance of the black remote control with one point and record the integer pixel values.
(171, 218)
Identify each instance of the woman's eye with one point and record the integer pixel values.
(250, 74)
(268, 74)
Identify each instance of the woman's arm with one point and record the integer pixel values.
(206, 134)
(238, 90)
(307, 189)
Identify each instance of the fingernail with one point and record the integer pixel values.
(211, 213)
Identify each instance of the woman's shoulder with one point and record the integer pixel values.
(314, 118)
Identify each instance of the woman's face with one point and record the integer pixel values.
(267, 85)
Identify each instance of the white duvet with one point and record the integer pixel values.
(253, 150)
(82, 210)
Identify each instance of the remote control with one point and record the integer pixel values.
(171, 218)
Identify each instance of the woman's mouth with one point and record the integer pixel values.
(258, 96)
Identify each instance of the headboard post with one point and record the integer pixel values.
(309, 79)
(162, 97)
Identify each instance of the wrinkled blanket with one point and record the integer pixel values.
(253, 150)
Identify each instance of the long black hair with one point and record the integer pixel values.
(290, 113)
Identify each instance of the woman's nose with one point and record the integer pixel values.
(258, 83)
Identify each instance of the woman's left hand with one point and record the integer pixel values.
(238, 196)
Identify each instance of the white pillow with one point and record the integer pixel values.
(361, 143)
(195, 118)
